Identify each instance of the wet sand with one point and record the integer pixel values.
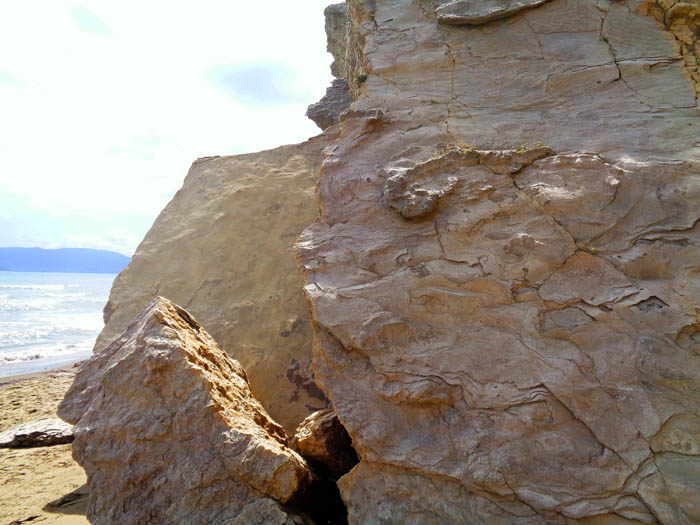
(44, 484)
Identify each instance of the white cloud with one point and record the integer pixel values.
(110, 102)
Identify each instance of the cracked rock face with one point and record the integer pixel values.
(509, 331)
(168, 431)
(222, 248)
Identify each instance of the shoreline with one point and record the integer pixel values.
(70, 368)
(42, 484)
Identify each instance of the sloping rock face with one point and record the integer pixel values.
(168, 431)
(505, 275)
(222, 248)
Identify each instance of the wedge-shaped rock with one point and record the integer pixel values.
(169, 432)
(476, 12)
(323, 440)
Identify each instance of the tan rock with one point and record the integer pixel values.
(222, 248)
(336, 16)
(44, 432)
(323, 441)
(338, 98)
(169, 432)
(471, 12)
(514, 340)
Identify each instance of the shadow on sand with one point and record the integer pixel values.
(75, 502)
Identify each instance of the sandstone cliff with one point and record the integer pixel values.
(504, 278)
(222, 248)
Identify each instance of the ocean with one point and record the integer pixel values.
(49, 319)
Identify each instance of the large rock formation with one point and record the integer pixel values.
(169, 432)
(505, 275)
(222, 248)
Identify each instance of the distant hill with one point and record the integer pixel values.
(72, 260)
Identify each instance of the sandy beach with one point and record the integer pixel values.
(38, 485)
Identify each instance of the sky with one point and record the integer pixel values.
(105, 104)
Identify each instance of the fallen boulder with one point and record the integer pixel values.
(43, 432)
(323, 441)
(169, 432)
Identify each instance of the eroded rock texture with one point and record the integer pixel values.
(337, 99)
(477, 12)
(222, 248)
(682, 19)
(505, 275)
(168, 431)
(336, 27)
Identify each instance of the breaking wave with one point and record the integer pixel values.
(47, 319)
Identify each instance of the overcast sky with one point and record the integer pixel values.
(105, 104)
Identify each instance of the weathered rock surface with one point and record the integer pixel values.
(337, 99)
(682, 19)
(168, 431)
(323, 441)
(222, 249)
(43, 432)
(509, 333)
(336, 16)
(477, 12)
